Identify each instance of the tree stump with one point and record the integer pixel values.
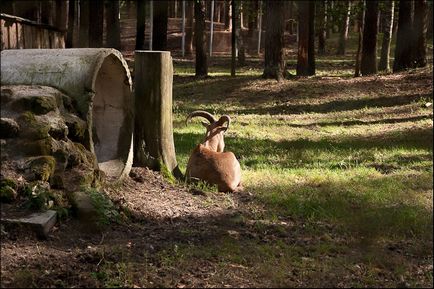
(153, 132)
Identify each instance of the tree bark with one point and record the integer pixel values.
(404, 37)
(322, 17)
(344, 25)
(384, 63)
(71, 19)
(159, 27)
(113, 25)
(61, 14)
(83, 33)
(153, 131)
(47, 12)
(96, 23)
(361, 24)
(239, 38)
(420, 26)
(253, 8)
(228, 14)
(311, 48)
(233, 37)
(303, 38)
(140, 24)
(189, 28)
(274, 41)
(201, 65)
(368, 64)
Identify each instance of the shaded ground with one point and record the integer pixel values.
(338, 178)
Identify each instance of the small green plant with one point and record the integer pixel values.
(104, 207)
(38, 197)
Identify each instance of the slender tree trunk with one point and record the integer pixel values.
(368, 64)
(96, 25)
(71, 19)
(140, 24)
(328, 10)
(420, 26)
(311, 48)
(47, 12)
(404, 37)
(113, 25)
(291, 17)
(228, 14)
(200, 38)
(384, 63)
(239, 38)
(303, 38)
(234, 36)
(322, 17)
(345, 23)
(274, 41)
(253, 7)
(189, 28)
(84, 24)
(159, 27)
(61, 14)
(361, 24)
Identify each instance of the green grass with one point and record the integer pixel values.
(354, 154)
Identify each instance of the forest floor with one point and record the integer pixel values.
(338, 192)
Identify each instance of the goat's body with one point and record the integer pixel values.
(216, 168)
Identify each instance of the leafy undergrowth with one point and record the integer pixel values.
(338, 192)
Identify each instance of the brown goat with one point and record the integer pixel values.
(208, 162)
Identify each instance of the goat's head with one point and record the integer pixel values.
(215, 129)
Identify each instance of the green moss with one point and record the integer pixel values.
(31, 127)
(76, 127)
(43, 167)
(8, 182)
(166, 173)
(7, 194)
(36, 104)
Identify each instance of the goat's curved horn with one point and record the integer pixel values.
(201, 113)
(225, 118)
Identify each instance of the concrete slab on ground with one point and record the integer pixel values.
(40, 222)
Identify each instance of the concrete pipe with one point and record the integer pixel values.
(99, 81)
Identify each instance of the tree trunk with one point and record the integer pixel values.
(291, 17)
(83, 33)
(303, 38)
(420, 25)
(234, 37)
(311, 48)
(47, 12)
(61, 14)
(384, 63)
(96, 23)
(322, 17)
(328, 10)
(140, 24)
(189, 28)
(344, 25)
(113, 25)
(159, 27)
(153, 132)
(201, 65)
(404, 37)
(361, 24)
(239, 38)
(228, 14)
(253, 8)
(71, 19)
(368, 64)
(274, 41)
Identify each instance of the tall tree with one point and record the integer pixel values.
(368, 64)
(113, 24)
(322, 25)
(360, 25)
(71, 19)
(201, 65)
(420, 25)
(96, 23)
(228, 15)
(345, 9)
(403, 38)
(47, 12)
(189, 28)
(252, 8)
(274, 41)
(306, 36)
(233, 36)
(239, 36)
(387, 14)
(61, 14)
(159, 27)
(311, 45)
(140, 25)
(83, 36)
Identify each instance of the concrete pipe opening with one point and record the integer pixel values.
(99, 81)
